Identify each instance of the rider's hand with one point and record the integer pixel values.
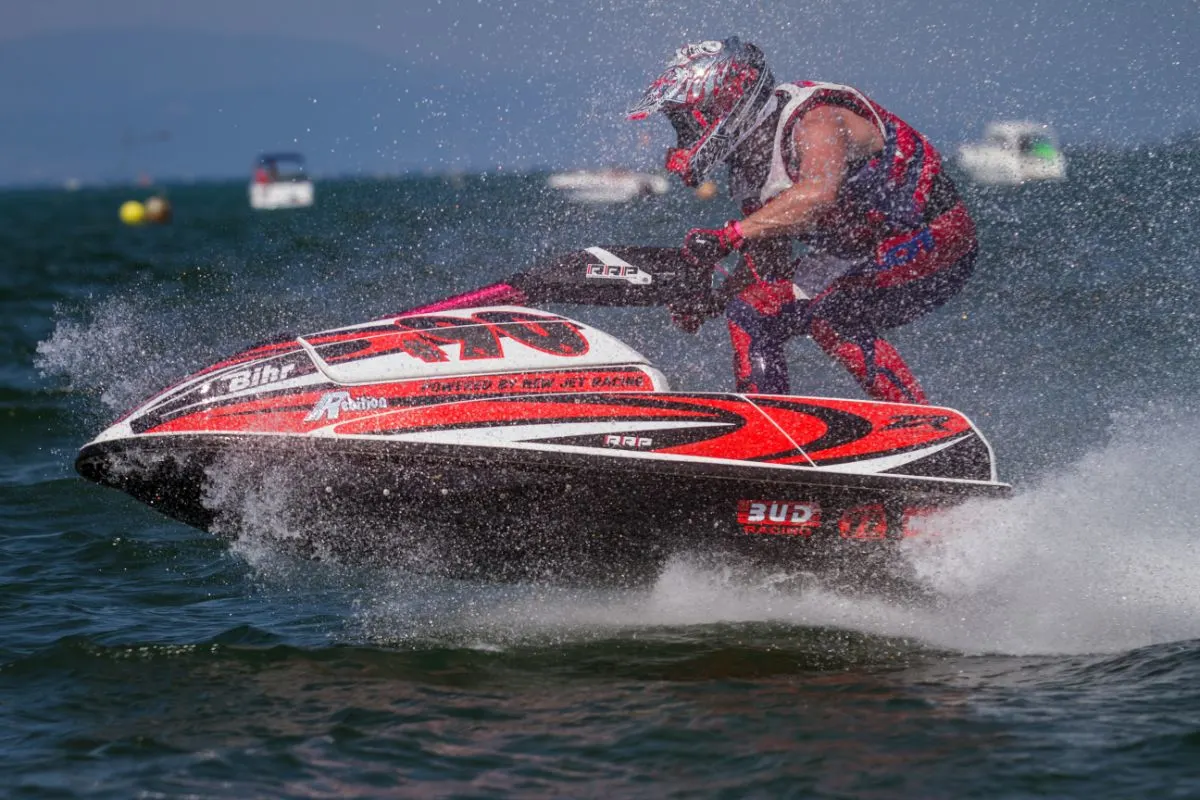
(704, 247)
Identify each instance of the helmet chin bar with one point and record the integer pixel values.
(679, 161)
(690, 137)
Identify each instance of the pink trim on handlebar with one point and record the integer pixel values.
(496, 294)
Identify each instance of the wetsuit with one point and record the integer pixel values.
(897, 244)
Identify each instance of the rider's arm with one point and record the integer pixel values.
(821, 142)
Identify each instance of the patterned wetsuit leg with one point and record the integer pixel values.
(911, 275)
(761, 318)
(846, 320)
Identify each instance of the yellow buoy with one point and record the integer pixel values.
(133, 212)
(706, 190)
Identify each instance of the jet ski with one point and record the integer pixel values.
(481, 436)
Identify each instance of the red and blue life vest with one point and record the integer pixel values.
(898, 190)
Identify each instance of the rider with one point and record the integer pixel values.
(886, 237)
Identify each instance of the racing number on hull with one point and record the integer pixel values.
(479, 336)
(560, 338)
(872, 521)
(869, 521)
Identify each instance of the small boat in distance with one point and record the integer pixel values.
(1013, 153)
(280, 182)
(607, 185)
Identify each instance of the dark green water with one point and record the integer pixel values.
(141, 658)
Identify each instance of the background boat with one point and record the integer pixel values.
(607, 185)
(1013, 153)
(279, 181)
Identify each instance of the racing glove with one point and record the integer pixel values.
(704, 247)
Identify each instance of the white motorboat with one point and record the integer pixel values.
(280, 182)
(1014, 153)
(607, 185)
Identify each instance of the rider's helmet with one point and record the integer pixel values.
(715, 94)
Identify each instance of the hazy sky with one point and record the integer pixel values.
(195, 89)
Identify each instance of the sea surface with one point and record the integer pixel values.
(142, 658)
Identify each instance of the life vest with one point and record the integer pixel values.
(899, 189)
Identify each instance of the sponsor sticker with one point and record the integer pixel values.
(635, 442)
(908, 250)
(779, 517)
(259, 376)
(864, 522)
(619, 272)
(937, 422)
(248, 378)
(609, 266)
(332, 404)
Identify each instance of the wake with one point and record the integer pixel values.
(1102, 558)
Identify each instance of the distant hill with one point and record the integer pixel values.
(106, 106)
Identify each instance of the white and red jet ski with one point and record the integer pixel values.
(476, 436)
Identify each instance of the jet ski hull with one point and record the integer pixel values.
(510, 443)
(500, 514)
